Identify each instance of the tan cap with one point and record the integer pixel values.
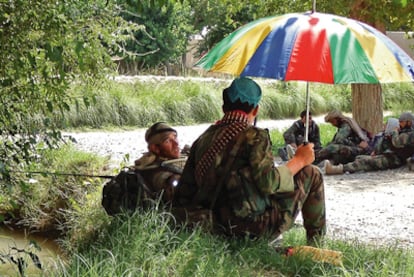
(333, 114)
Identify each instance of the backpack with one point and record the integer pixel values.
(125, 192)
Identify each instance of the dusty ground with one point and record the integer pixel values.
(375, 207)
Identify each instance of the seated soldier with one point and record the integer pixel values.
(391, 151)
(348, 142)
(295, 136)
(163, 148)
(231, 172)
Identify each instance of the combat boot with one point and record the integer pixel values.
(290, 151)
(331, 169)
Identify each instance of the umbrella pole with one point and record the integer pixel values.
(307, 113)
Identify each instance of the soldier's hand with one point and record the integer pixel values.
(363, 144)
(304, 156)
(306, 153)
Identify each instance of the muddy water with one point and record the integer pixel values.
(49, 254)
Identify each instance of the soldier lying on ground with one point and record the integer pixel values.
(163, 146)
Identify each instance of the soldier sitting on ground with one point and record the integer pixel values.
(295, 136)
(391, 151)
(230, 171)
(349, 141)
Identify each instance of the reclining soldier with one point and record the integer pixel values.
(231, 171)
(392, 150)
(163, 146)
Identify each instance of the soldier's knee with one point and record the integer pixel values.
(312, 170)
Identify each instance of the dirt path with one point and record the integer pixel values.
(375, 207)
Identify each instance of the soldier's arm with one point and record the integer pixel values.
(343, 134)
(186, 188)
(317, 137)
(289, 134)
(402, 140)
(269, 179)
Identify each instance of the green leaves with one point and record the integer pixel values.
(44, 47)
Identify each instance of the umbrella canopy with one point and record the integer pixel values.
(313, 47)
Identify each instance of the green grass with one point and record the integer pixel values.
(147, 244)
(327, 132)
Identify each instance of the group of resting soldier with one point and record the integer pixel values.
(231, 178)
(352, 149)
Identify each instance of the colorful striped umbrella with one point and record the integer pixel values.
(313, 47)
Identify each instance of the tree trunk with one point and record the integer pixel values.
(367, 106)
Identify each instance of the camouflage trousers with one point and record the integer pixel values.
(372, 163)
(338, 153)
(308, 197)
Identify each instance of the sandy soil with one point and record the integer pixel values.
(375, 207)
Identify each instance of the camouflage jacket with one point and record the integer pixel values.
(403, 143)
(254, 154)
(157, 178)
(346, 136)
(296, 134)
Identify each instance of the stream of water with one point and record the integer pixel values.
(49, 253)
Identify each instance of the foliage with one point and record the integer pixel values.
(382, 14)
(216, 19)
(167, 31)
(45, 47)
(47, 189)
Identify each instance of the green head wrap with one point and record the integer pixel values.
(245, 90)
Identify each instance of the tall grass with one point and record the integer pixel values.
(148, 243)
(187, 101)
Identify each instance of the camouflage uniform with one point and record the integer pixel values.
(393, 152)
(296, 134)
(159, 179)
(343, 148)
(284, 195)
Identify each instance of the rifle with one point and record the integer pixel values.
(63, 174)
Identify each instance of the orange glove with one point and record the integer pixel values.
(304, 156)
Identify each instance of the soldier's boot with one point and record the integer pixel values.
(290, 151)
(331, 169)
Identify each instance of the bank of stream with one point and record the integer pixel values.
(17, 243)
